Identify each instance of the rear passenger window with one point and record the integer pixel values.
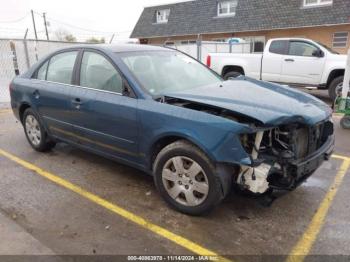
(61, 66)
(98, 73)
(279, 47)
(42, 71)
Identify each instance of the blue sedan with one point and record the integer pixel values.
(163, 112)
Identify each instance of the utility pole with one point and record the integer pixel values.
(47, 34)
(36, 35)
(110, 41)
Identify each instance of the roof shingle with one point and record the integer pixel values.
(200, 16)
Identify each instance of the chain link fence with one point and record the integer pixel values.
(16, 56)
(201, 49)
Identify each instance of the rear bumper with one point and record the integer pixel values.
(306, 167)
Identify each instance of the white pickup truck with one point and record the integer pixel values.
(292, 61)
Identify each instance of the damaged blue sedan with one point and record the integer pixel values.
(163, 112)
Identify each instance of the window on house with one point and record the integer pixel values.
(221, 40)
(188, 42)
(227, 7)
(340, 39)
(163, 15)
(308, 3)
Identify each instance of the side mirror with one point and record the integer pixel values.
(318, 53)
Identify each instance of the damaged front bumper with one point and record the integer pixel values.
(284, 160)
(304, 168)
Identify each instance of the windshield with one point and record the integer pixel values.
(168, 71)
(328, 48)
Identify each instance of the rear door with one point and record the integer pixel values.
(52, 84)
(104, 117)
(300, 66)
(272, 60)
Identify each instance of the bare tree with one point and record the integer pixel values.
(95, 40)
(64, 35)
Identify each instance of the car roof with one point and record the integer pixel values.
(292, 39)
(119, 48)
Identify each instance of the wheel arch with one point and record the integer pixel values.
(165, 139)
(334, 74)
(230, 68)
(23, 107)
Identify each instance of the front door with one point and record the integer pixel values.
(104, 118)
(300, 66)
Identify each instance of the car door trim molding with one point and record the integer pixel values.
(84, 87)
(90, 130)
(114, 148)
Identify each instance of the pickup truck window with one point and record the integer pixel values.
(298, 48)
(279, 47)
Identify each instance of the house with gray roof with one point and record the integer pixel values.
(326, 21)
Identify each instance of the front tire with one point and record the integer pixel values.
(345, 122)
(35, 132)
(335, 87)
(187, 179)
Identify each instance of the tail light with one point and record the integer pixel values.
(208, 60)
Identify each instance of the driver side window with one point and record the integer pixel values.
(301, 49)
(98, 73)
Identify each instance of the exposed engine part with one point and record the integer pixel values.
(258, 139)
(255, 178)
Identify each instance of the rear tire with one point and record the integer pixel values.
(232, 74)
(180, 169)
(35, 132)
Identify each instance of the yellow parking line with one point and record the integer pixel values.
(340, 157)
(305, 243)
(5, 111)
(177, 239)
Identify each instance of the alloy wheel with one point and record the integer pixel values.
(185, 181)
(33, 130)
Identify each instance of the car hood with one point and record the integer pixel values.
(271, 104)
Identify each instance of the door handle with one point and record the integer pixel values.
(36, 94)
(77, 102)
(289, 60)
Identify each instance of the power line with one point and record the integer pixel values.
(81, 28)
(16, 20)
(11, 29)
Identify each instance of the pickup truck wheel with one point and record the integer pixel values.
(35, 132)
(335, 88)
(232, 74)
(345, 122)
(186, 178)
